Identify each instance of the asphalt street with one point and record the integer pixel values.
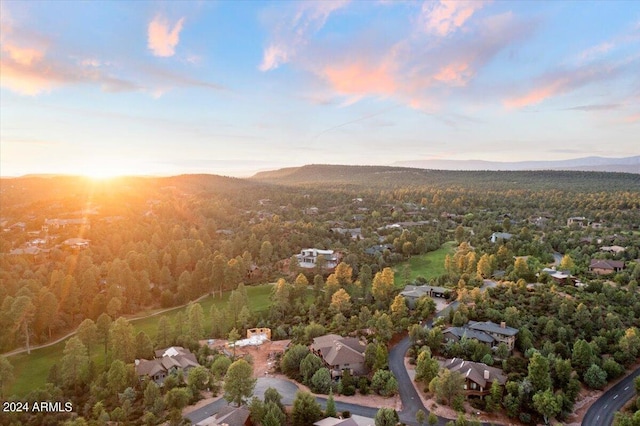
(602, 411)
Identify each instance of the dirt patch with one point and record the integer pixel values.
(263, 355)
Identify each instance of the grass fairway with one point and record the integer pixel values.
(31, 371)
(429, 265)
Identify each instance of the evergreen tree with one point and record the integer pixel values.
(306, 410)
(331, 406)
(239, 382)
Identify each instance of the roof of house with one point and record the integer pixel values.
(606, 264)
(476, 371)
(166, 359)
(503, 235)
(172, 351)
(461, 332)
(422, 290)
(149, 367)
(491, 327)
(613, 249)
(228, 415)
(338, 350)
(76, 242)
(332, 421)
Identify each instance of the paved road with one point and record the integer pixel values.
(411, 401)
(602, 411)
(288, 391)
(286, 388)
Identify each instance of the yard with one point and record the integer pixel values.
(428, 266)
(31, 371)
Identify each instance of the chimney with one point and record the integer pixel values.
(486, 374)
(503, 324)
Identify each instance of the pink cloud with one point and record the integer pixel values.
(358, 78)
(162, 39)
(24, 79)
(559, 82)
(455, 74)
(536, 95)
(446, 16)
(633, 118)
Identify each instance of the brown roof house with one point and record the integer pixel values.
(478, 377)
(167, 361)
(605, 267)
(340, 353)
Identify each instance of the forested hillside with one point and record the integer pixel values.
(402, 177)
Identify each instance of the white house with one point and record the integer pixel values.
(308, 258)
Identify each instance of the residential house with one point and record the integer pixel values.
(497, 236)
(76, 243)
(612, 249)
(561, 277)
(353, 233)
(378, 249)
(501, 332)
(455, 334)
(229, 416)
(340, 353)
(489, 333)
(605, 266)
(478, 377)
(412, 293)
(579, 221)
(63, 223)
(308, 258)
(166, 361)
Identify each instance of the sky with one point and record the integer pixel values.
(226, 87)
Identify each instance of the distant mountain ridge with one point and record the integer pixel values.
(587, 164)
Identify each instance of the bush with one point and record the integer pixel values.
(458, 403)
(477, 403)
(363, 386)
(525, 418)
(384, 383)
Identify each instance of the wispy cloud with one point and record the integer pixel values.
(162, 37)
(596, 51)
(293, 32)
(561, 81)
(594, 107)
(446, 16)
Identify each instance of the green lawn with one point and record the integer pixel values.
(429, 265)
(31, 371)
